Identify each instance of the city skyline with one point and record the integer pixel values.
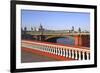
(55, 20)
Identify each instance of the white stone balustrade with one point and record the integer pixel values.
(60, 50)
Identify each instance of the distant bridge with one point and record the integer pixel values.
(81, 39)
(63, 33)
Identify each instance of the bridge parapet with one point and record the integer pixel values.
(60, 50)
(56, 33)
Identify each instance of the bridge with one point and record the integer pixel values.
(56, 51)
(80, 38)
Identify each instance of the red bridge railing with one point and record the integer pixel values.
(60, 50)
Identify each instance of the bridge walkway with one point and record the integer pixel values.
(56, 52)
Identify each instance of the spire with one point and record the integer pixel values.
(72, 28)
(41, 26)
(79, 30)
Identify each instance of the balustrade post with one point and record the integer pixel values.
(53, 50)
(60, 52)
(69, 53)
(47, 49)
(66, 53)
(83, 56)
(87, 56)
(79, 55)
(44, 48)
(56, 51)
(50, 50)
(73, 54)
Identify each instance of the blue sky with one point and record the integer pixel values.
(55, 20)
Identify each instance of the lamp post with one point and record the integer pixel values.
(79, 30)
(41, 32)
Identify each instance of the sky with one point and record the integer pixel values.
(53, 20)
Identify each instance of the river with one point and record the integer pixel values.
(68, 41)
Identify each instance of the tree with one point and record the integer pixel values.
(25, 28)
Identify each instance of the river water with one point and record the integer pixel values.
(68, 41)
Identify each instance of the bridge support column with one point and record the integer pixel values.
(77, 40)
(82, 40)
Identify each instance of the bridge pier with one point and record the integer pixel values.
(82, 40)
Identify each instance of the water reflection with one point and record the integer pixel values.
(68, 41)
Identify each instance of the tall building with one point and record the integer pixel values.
(79, 30)
(41, 28)
(35, 29)
(72, 28)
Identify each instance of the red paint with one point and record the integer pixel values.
(82, 40)
(76, 46)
